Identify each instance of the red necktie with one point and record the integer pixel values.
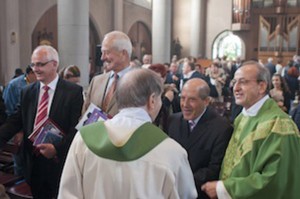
(110, 93)
(42, 108)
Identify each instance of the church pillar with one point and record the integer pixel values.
(198, 27)
(161, 31)
(118, 15)
(73, 35)
(10, 40)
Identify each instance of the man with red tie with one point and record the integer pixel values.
(49, 97)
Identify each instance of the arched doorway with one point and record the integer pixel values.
(140, 37)
(229, 45)
(45, 32)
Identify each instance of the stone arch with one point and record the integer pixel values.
(46, 32)
(141, 39)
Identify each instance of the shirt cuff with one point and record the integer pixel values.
(221, 191)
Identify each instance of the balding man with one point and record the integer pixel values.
(127, 156)
(201, 131)
(116, 52)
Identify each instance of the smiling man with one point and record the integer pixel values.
(201, 131)
(262, 159)
(116, 52)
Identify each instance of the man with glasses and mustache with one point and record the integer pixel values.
(49, 97)
(262, 159)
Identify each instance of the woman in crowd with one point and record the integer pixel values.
(71, 74)
(280, 92)
(217, 78)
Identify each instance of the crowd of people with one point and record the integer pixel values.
(164, 138)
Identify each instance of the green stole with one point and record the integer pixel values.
(143, 140)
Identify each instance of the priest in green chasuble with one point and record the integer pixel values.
(262, 159)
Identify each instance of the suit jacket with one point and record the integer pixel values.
(96, 94)
(271, 67)
(205, 145)
(65, 112)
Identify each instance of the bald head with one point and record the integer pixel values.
(198, 84)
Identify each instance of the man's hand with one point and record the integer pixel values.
(47, 150)
(210, 188)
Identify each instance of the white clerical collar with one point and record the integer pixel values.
(253, 110)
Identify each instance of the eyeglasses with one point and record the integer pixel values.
(242, 82)
(40, 64)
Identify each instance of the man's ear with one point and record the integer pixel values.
(151, 102)
(262, 87)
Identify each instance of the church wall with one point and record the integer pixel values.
(218, 20)
(181, 24)
(134, 13)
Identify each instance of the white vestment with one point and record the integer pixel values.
(163, 172)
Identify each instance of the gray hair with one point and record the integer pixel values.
(135, 88)
(52, 54)
(262, 73)
(120, 41)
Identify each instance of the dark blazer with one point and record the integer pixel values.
(205, 145)
(65, 112)
(271, 67)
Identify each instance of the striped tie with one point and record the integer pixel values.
(42, 108)
(110, 93)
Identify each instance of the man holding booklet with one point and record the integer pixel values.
(127, 156)
(49, 104)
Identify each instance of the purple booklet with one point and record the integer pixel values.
(92, 114)
(49, 132)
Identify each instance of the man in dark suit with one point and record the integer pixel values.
(44, 162)
(270, 66)
(201, 131)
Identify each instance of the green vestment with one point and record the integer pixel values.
(144, 139)
(262, 160)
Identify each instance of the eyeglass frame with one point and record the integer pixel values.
(40, 64)
(243, 81)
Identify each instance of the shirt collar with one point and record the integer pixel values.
(253, 110)
(120, 73)
(199, 117)
(52, 85)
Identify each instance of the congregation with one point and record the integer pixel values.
(182, 129)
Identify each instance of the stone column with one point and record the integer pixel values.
(10, 40)
(161, 31)
(118, 15)
(73, 35)
(198, 27)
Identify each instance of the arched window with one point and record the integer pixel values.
(228, 44)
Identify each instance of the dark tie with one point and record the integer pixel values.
(110, 92)
(42, 108)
